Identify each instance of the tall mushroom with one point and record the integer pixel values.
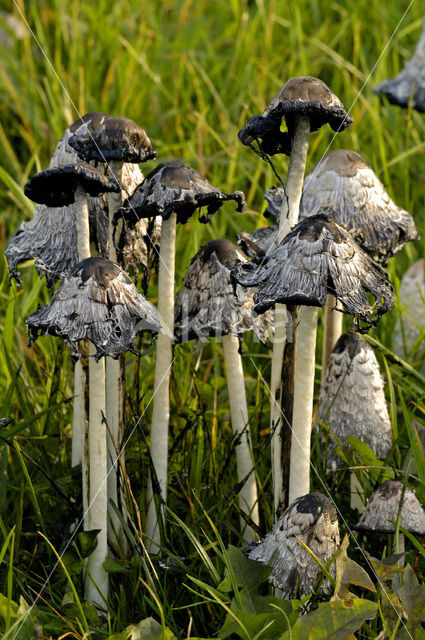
(117, 142)
(316, 258)
(209, 305)
(174, 191)
(306, 103)
(98, 302)
(409, 85)
(343, 186)
(310, 520)
(352, 401)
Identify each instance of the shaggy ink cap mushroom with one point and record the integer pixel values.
(258, 243)
(312, 519)
(300, 96)
(106, 139)
(319, 257)
(352, 399)
(384, 505)
(343, 186)
(208, 303)
(99, 302)
(174, 187)
(409, 85)
(56, 187)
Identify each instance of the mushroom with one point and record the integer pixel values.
(310, 520)
(352, 402)
(306, 103)
(116, 141)
(98, 302)
(411, 323)
(174, 191)
(384, 505)
(260, 242)
(208, 304)
(343, 186)
(316, 258)
(409, 85)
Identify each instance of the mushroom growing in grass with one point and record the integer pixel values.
(343, 186)
(307, 104)
(384, 506)
(310, 521)
(410, 327)
(318, 257)
(352, 402)
(209, 305)
(117, 142)
(174, 191)
(409, 86)
(100, 303)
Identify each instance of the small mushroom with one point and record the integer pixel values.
(318, 257)
(409, 85)
(209, 305)
(384, 505)
(411, 323)
(352, 400)
(174, 191)
(98, 302)
(311, 519)
(259, 243)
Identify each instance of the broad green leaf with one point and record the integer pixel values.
(72, 563)
(87, 542)
(412, 595)
(112, 565)
(335, 620)
(349, 572)
(248, 573)
(385, 569)
(271, 617)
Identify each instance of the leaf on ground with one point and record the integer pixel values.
(349, 572)
(412, 595)
(386, 569)
(271, 618)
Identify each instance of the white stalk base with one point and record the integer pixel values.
(305, 358)
(276, 416)
(248, 498)
(161, 398)
(332, 328)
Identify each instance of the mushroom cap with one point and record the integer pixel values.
(384, 505)
(318, 257)
(258, 244)
(56, 186)
(352, 399)
(313, 520)
(104, 138)
(343, 186)
(300, 96)
(174, 187)
(412, 318)
(409, 85)
(208, 304)
(99, 302)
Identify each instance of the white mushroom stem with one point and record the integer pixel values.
(94, 465)
(332, 328)
(248, 499)
(305, 357)
(97, 516)
(289, 218)
(114, 381)
(161, 398)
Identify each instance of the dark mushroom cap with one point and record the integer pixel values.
(409, 85)
(173, 187)
(384, 505)
(343, 186)
(300, 96)
(259, 243)
(352, 399)
(313, 520)
(56, 187)
(209, 305)
(318, 257)
(98, 302)
(107, 138)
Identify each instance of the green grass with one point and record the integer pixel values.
(190, 73)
